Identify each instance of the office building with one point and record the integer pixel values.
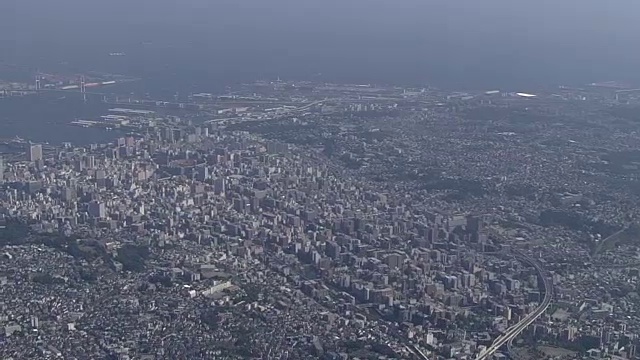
(35, 153)
(97, 210)
(90, 162)
(219, 185)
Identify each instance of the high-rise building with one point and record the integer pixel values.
(219, 185)
(90, 161)
(79, 165)
(34, 322)
(97, 210)
(130, 141)
(68, 194)
(631, 351)
(168, 135)
(101, 178)
(35, 152)
(202, 173)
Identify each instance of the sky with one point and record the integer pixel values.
(459, 43)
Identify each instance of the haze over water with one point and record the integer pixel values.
(205, 44)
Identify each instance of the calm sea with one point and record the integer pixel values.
(46, 119)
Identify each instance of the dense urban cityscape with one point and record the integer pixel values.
(302, 220)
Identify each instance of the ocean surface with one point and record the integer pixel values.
(46, 119)
(205, 45)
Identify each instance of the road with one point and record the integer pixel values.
(308, 106)
(518, 328)
(419, 353)
(288, 112)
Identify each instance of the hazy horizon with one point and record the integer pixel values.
(463, 43)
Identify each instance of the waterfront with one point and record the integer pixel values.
(45, 118)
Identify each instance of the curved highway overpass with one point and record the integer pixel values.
(518, 328)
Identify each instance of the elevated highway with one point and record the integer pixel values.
(517, 329)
